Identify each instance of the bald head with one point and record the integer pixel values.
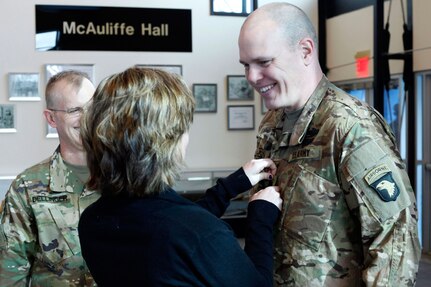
(290, 20)
(278, 49)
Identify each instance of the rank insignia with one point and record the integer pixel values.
(381, 180)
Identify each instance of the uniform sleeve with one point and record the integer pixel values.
(379, 194)
(17, 238)
(217, 198)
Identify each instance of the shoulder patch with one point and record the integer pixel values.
(381, 180)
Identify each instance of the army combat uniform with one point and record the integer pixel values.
(349, 214)
(39, 228)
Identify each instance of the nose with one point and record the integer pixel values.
(253, 75)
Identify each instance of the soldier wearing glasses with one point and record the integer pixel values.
(38, 230)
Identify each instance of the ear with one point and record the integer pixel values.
(307, 50)
(50, 118)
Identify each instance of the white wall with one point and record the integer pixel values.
(215, 55)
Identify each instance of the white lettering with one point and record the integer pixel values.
(80, 29)
(90, 28)
(69, 29)
(162, 30)
(145, 29)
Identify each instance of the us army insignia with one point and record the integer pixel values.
(381, 180)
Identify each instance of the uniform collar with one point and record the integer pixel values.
(308, 112)
(62, 179)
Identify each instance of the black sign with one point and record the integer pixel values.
(89, 28)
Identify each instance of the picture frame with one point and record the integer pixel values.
(7, 118)
(232, 8)
(53, 69)
(238, 89)
(51, 133)
(240, 117)
(176, 69)
(23, 87)
(264, 109)
(206, 98)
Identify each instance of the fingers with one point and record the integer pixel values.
(272, 168)
(259, 169)
(270, 194)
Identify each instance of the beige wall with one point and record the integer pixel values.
(215, 55)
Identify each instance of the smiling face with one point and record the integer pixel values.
(277, 48)
(68, 96)
(274, 70)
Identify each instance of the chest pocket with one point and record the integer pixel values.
(309, 202)
(58, 232)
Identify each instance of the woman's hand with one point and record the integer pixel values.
(259, 169)
(270, 194)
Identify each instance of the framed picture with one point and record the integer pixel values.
(240, 117)
(176, 69)
(238, 89)
(232, 7)
(206, 98)
(264, 109)
(51, 133)
(7, 119)
(52, 69)
(24, 87)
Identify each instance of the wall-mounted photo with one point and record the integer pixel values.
(206, 98)
(24, 87)
(53, 69)
(232, 7)
(264, 109)
(176, 69)
(7, 119)
(238, 89)
(240, 117)
(51, 133)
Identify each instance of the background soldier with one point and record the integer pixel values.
(39, 224)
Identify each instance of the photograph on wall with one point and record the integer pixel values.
(240, 117)
(239, 89)
(176, 69)
(53, 69)
(7, 119)
(24, 87)
(264, 109)
(51, 133)
(206, 98)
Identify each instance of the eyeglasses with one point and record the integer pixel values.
(71, 112)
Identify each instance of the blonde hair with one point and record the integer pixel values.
(132, 131)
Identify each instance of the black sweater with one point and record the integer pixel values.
(167, 240)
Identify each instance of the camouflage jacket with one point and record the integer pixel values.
(349, 216)
(39, 244)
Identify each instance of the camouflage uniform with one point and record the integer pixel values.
(39, 228)
(349, 216)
